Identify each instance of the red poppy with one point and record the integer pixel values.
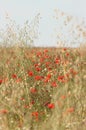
(32, 102)
(3, 111)
(1, 81)
(51, 105)
(30, 73)
(57, 60)
(61, 78)
(47, 64)
(36, 65)
(35, 114)
(53, 84)
(14, 76)
(49, 76)
(38, 69)
(67, 54)
(46, 50)
(46, 79)
(33, 90)
(73, 72)
(38, 77)
(39, 54)
(46, 56)
(41, 59)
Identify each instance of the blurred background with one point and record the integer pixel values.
(53, 25)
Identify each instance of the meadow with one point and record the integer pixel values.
(42, 89)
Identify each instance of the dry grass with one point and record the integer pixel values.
(42, 89)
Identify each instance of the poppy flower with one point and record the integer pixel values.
(61, 78)
(3, 111)
(36, 65)
(49, 76)
(51, 105)
(1, 81)
(57, 60)
(46, 50)
(41, 59)
(67, 54)
(38, 54)
(53, 84)
(38, 69)
(47, 64)
(46, 79)
(73, 72)
(38, 77)
(32, 102)
(30, 73)
(33, 90)
(14, 76)
(35, 114)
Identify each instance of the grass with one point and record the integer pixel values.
(42, 89)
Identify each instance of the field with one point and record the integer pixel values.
(42, 89)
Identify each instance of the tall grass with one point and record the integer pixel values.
(13, 34)
(42, 89)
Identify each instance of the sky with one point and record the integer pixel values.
(22, 10)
